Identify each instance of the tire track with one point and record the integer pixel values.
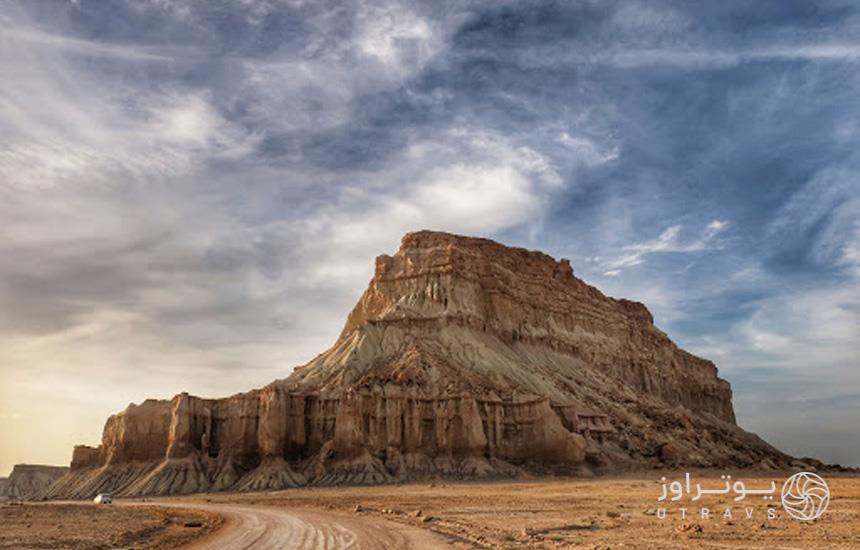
(262, 528)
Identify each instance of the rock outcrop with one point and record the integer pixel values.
(463, 358)
(29, 480)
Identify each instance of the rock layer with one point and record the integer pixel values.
(463, 358)
(28, 480)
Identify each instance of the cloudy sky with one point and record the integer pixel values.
(192, 192)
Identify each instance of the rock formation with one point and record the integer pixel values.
(29, 480)
(463, 358)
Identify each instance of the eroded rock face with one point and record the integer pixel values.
(29, 480)
(463, 358)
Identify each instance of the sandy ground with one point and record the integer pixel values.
(602, 513)
(94, 527)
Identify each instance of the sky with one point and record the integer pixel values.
(192, 192)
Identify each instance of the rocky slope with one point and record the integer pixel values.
(463, 358)
(28, 480)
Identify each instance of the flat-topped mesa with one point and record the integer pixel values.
(438, 281)
(463, 358)
(420, 282)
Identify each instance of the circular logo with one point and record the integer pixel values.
(805, 496)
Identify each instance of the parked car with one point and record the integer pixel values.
(103, 498)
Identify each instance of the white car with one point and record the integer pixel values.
(103, 498)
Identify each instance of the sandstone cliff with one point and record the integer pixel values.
(463, 358)
(29, 480)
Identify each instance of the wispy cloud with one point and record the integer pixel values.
(178, 179)
(68, 123)
(59, 44)
(586, 150)
(668, 241)
(691, 58)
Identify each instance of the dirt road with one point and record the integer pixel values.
(262, 527)
(619, 513)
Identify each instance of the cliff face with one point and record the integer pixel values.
(483, 300)
(463, 358)
(28, 480)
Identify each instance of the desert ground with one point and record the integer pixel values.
(618, 512)
(84, 526)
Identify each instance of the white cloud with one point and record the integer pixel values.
(67, 123)
(827, 207)
(586, 150)
(713, 228)
(468, 181)
(313, 87)
(401, 40)
(803, 332)
(149, 231)
(666, 242)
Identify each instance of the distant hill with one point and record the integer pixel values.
(28, 480)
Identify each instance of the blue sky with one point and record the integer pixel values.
(192, 192)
